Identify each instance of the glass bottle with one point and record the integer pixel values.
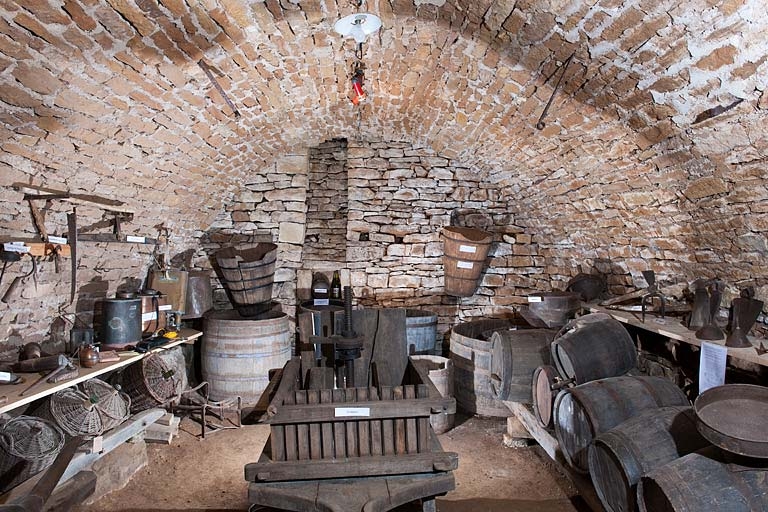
(336, 286)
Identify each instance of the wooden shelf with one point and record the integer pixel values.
(673, 329)
(39, 248)
(11, 391)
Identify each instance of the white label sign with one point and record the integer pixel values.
(16, 247)
(465, 264)
(6, 377)
(137, 239)
(146, 317)
(712, 366)
(360, 412)
(468, 248)
(165, 307)
(534, 299)
(57, 239)
(321, 302)
(320, 290)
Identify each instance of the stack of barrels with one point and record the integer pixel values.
(241, 345)
(613, 423)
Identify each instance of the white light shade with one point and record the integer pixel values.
(359, 26)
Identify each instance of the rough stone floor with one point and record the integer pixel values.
(197, 475)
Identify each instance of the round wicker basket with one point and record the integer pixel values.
(149, 382)
(113, 406)
(28, 445)
(74, 412)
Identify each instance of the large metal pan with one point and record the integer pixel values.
(735, 418)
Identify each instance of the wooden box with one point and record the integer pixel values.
(352, 432)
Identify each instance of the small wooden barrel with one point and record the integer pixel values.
(583, 412)
(440, 372)
(237, 353)
(545, 385)
(465, 250)
(248, 275)
(471, 356)
(420, 331)
(596, 347)
(619, 457)
(515, 354)
(704, 481)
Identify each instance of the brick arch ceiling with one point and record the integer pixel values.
(95, 88)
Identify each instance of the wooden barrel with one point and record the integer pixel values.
(515, 354)
(583, 412)
(702, 482)
(594, 347)
(248, 274)
(440, 371)
(470, 351)
(237, 353)
(545, 386)
(619, 457)
(420, 331)
(465, 250)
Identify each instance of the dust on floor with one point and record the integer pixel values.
(193, 475)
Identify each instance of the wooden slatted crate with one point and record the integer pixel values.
(352, 432)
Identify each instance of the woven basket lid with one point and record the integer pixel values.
(75, 413)
(111, 403)
(158, 378)
(31, 438)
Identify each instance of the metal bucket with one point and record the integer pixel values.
(120, 322)
(199, 294)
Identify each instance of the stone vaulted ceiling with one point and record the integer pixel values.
(108, 95)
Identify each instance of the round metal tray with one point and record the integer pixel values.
(734, 417)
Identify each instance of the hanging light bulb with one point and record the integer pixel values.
(358, 26)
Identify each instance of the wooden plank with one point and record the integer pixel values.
(672, 328)
(291, 440)
(288, 384)
(375, 428)
(326, 428)
(339, 427)
(368, 493)
(351, 467)
(350, 396)
(390, 353)
(314, 412)
(315, 435)
(423, 425)
(365, 321)
(411, 440)
(542, 436)
(72, 493)
(363, 427)
(399, 394)
(321, 377)
(302, 429)
(388, 424)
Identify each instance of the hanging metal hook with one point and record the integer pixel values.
(540, 125)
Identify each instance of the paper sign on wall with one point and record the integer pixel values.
(711, 366)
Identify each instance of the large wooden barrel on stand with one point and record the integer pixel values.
(237, 353)
(619, 457)
(583, 412)
(593, 346)
(515, 355)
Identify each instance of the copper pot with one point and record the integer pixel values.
(89, 356)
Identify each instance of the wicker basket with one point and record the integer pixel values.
(114, 406)
(149, 382)
(28, 445)
(73, 412)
